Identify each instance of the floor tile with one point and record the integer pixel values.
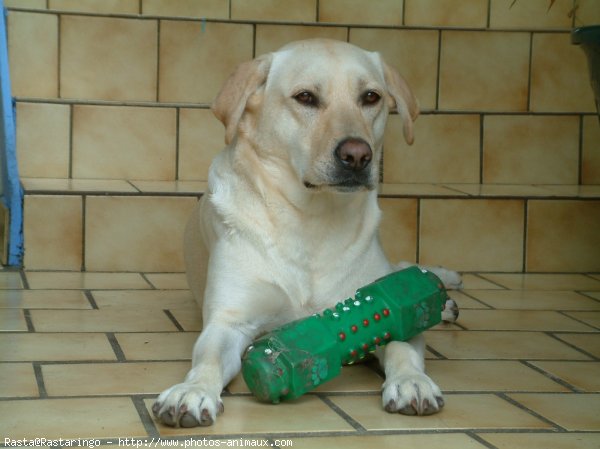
(246, 415)
(187, 187)
(535, 299)
(190, 319)
(85, 280)
(168, 281)
(18, 380)
(466, 302)
(473, 281)
(430, 441)
(525, 320)
(356, 378)
(12, 320)
(544, 281)
(55, 347)
(106, 320)
(112, 378)
(407, 189)
(158, 345)
(588, 342)
(591, 318)
(476, 375)
(569, 410)
(70, 418)
(501, 345)
(478, 411)
(147, 299)
(10, 279)
(542, 440)
(44, 185)
(44, 299)
(583, 375)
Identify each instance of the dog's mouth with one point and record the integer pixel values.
(347, 185)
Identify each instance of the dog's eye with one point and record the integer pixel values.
(370, 98)
(307, 98)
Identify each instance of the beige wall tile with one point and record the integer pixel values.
(136, 234)
(29, 4)
(118, 142)
(382, 12)
(296, 11)
(413, 53)
(196, 59)
(43, 139)
(466, 13)
(446, 149)
(563, 236)
(108, 58)
(531, 150)
(587, 13)
(272, 37)
(201, 137)
(484, 71)
(398, 229)
(472, 235)
(590, 164)
(112, 417)
(530, 14)
(97, 6)
(210, 9)
(559, 75)
(33, 54)
(53, 232)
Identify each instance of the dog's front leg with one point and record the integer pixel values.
(216, 360)
(407, 389)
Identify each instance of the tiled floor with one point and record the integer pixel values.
(82, 355)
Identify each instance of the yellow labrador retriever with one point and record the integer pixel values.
(289, 224)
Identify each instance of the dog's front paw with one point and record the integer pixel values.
(414, 394)
(187, 405)
(451, 279)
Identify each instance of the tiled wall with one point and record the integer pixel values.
(120, 89)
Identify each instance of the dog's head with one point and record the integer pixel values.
(319, 106)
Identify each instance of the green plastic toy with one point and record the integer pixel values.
(301, 355)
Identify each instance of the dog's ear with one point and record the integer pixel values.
(404, 100)
(231, 101)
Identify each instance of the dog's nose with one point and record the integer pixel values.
(354, 154)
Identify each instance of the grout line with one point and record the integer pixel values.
(39, 378)
(480, 440)
(174, 320)
(525, 234)
(28, 320)
(24, 280)
(145, 418)
(439, 71)
(530, 70)
(116, 347)
(83, 228)
(90, 297)
(158, 22)
(143, 275)
(481, 146)
(580, 152)
(345, 416)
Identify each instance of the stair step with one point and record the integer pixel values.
(123, 226)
